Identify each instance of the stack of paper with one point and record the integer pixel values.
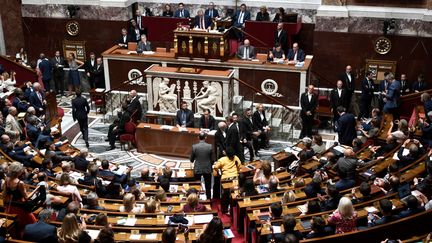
(202, 219)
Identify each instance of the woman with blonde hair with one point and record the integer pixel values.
(344, 217)
(288, 197)
(129, 204)
(72, 232)
(150, 206)
(193, 205)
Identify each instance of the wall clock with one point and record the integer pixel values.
(72, 28)
(382, 45)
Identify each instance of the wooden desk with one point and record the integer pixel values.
(201, 44)
(152, 139)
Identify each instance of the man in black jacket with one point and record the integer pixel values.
(41, 231)
(184, 116)
(348, 80)
(220, 140)
(309, 103)
(80, 109)
(134, 108)
(366, 96)
(281, 37)
(249, 134)
(90, 66)
(233, 137)
(117, 127)
(98, 73)
(207, 121)
(338, 97)
(346, 127)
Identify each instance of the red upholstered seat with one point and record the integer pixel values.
(60, 112)
(127, 138)
(99, 102)
(129, 135)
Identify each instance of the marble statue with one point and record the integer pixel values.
(209, 97)
(164, 95)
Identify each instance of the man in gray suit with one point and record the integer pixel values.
(143, 44)
(202, 157)
(246, 51)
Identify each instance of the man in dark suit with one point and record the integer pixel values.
(202, 158)
(388, 215)
(37, 99)
(392, 96)
(337, 98)
(124, 39)
(233, 137)
(202, 21)
(207, 121)
(99, 74)
(405, 87)
(184, 116)
(382, 89)
(45, 67)
(109, 175)
(135, 32)
(249, 134)
(262, 126)
(58, 74)
(241, 16)
(80, 109)
(181, 12)
(366, 96)
(80, 161)
(246, 51)
(89, 67)
(296, 54)
(143, 45)
(211, 11)
(348, 80)
(346, 127)
(420, 84)
(220, 140)
(309, 103)
(117, 127)
(134, 107)
(415, 151)
(41, 231)
(281, 37)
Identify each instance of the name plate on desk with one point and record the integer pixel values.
(246, 200)
(147, 126)
(160, 217)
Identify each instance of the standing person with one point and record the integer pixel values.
(338, 97)
(202, 158)
(211, 11)
(184, 116)
(99, 75)
(392, 97)
(45, 67)
(382, 89)
(80, 109)
(167, 11)
(37, 99)
(309, 103)
(134, 107)
(220, 140)
(233, 137)
(58, 63)
(13, 127)
(348, 80)
(346, 127)
(405, 87)
(249, 134)
(366, 97)
(261, 124)
(281, 37)
(89, 67)
(181, 12)
(420, 84)
(74, 78)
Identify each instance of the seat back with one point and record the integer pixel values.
(130, 128)
(132, 46)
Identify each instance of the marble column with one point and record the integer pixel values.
(12, 26)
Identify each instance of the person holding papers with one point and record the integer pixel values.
(246, 51)
(295, 54)
(143, 45)
(202, 21)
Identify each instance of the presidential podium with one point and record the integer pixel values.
(201, 44)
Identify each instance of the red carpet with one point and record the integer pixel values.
(226, 219)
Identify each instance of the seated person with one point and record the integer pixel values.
(380, 151)
(314, 188)
(262, 176)
(295, 54)
(365, 191)
(372, 132)
(129, 204)
(426, 127)
(92, 202)
(106, 173)
(275, 210)
(56, 156)
(15, 152)
(246, 51)
(72, 207)
(19, 101)
(80, 161)
(273, 184)
(150, 206)
(193, 205)
(375, 114)
(248, 189)
(332, 201)
(415, 152)
(91, 179)
(313, 207)
(357, 144)
(277, 54)
(143, 45)
(184, 116)
(307, 152)
(165, 172)
(318, 146)
(344, 218)
(47, 166)
(386, 207)
(65, 188)
(319, 229)
(164, 183)
(413, 207)
(207, 121)
(66, 169)
(41, 231)
(118, 126)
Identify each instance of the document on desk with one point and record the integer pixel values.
(166, 127)
(151, 236)
(228, 233)
(203, 219)
(405, 152)
(277, 229)
(93, 233)
(135, 237)
(148, 52)
(131, 52)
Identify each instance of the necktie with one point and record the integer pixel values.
(247, 52)
(139, 21)
(241, 18)
(183, 118)
(181, 14)
(57, 58)
(39, 96)
(211, 13)
(295, 56)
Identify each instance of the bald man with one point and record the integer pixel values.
(348, 80)
(347, 165)
(338, 97)
(134, 106)
(296, 54)
(246, 51)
